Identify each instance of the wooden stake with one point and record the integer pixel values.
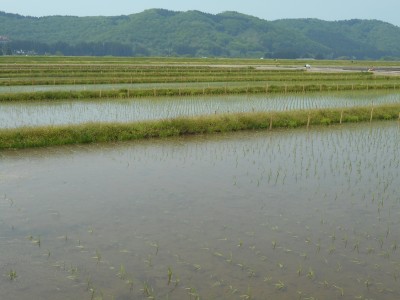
(372, 112)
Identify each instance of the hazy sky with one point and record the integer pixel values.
(385, 10)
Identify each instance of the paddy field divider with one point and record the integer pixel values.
(189, 91)
(28, 137)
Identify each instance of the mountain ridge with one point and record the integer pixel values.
(160, 32)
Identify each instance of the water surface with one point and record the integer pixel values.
(290, 214)
(18, 114)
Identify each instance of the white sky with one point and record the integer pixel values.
(385, 10)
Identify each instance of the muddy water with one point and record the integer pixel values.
(19, 114)
(258, 215)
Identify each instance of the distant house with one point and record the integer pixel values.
(4, 39)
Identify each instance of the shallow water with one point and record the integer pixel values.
(117, 86)
(290, 214)
(13, 115)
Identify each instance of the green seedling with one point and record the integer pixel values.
(394, 246)
(155, 245)
(229, 260)
(280, 285)
(130, 284)
(148, 261)
(367, 283)
(325, 284)
(169, 275)
(35, 241)
(356, 246)
(122, 272)
(339, 267)
(345, 240)
(97, 257)
(177, 280)
(318, 248)
(193, 293)
(340, 290)
(248, 294)
(88, 283)
(299, 270)
(310, 274)
(12, 274)
(251, 273)
(273, 244)
(218, 254)
(92, 292)
(147, 290)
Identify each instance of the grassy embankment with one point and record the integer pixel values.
(103, 132)
(244, 76)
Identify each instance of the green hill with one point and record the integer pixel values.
(158, 32)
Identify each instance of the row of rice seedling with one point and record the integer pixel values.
(181, 61)
(46, 78)
(106, 132)
(67, 73)
(18, 114)
(191, 91)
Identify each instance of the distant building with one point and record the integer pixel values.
(3, 39)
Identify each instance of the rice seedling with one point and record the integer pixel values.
(274, 244)
(149, 261)
(156, 246)
(197, 267)
(97, 257)
(130, 283)
(248, 295)
(310, 274)
(147, 290)
(89, 283)
(122, 272)
(193, 293)
(92, 293)
(169, 275)
(340, 289)
(280, 285)
(12, 274)
(35, 241)
(299, 270)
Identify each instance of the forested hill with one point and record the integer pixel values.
(158, 32)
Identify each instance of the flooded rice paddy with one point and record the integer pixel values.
(291, 214)
(18, 114)
(117, 86)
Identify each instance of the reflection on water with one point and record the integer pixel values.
(268, 215)
(66, 112)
